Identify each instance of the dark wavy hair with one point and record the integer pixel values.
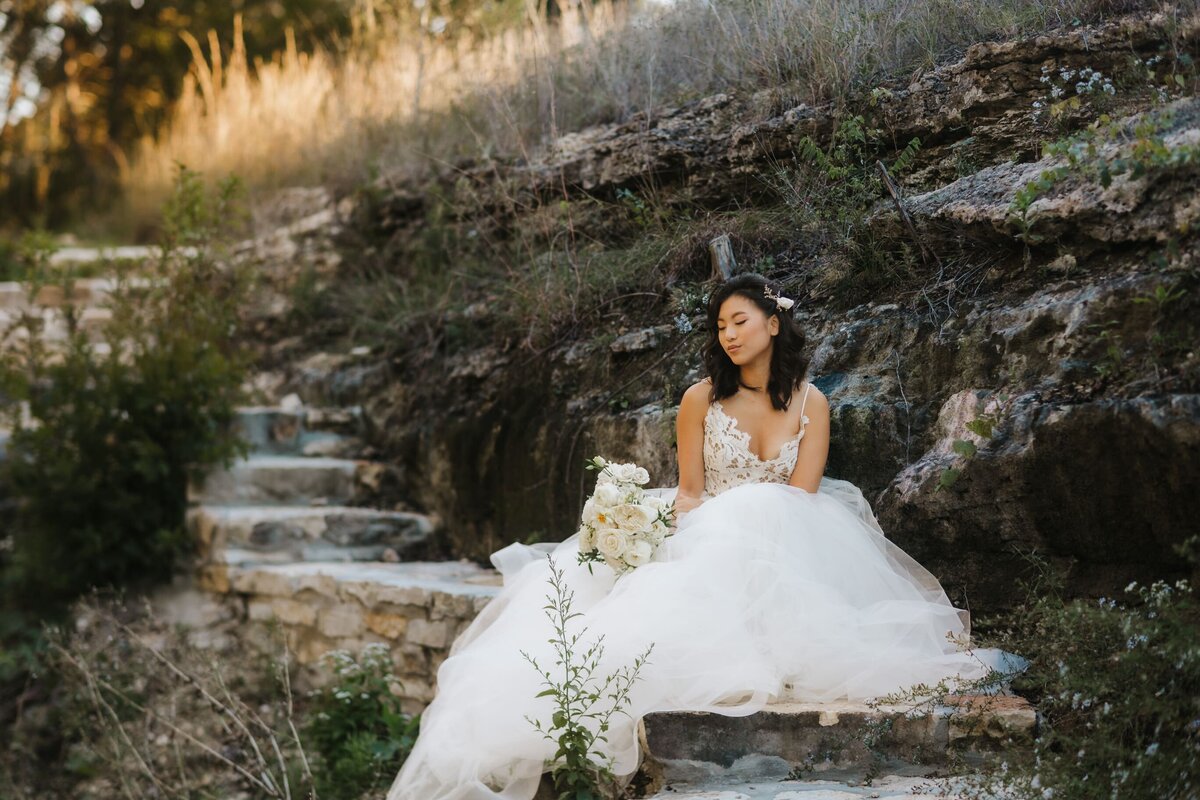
(789, 362)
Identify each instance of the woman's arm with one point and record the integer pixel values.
(814, 445)
(689, 439)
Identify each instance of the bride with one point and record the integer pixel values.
(777, 585)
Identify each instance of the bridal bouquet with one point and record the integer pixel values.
(622, 525)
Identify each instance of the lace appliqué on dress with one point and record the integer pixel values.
(729, 461)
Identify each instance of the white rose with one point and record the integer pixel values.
(607, 495)
(640, 475)
(633, 517)
(627, 473)
(651, 511)
(654, 501)
(591, 513)
(638, 553)
(587, 539)
(611, 543)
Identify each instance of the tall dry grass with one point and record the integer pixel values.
(407, 99)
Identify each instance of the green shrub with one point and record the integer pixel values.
(1116, 685)
(112, 429)
(356, 726)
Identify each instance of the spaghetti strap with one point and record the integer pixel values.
(804, 400)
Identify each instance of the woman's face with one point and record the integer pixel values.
(743, 330)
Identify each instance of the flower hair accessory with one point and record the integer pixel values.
(781, 303)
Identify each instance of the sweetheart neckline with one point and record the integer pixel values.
(733, 424)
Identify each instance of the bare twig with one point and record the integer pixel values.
(906, 218)
(105, 708)
(291, 719)
(216, 704)
(100, 683)
(907, 411)
(262, 761)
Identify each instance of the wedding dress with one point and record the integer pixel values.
(765, 593)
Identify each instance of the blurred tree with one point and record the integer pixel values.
(81, 80)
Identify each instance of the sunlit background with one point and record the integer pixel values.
(100, 100)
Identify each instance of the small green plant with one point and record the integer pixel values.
(983, 426)
(636, 207)
(1112, 357)
(1068, 90)
(578, 722)
(839, 182)
(647, 211)
(618, 403)
(1163, 294)
(831, 188)
(763, 266)
(1160, 342)
(356, 727)
(688, 300)
(1100, 153)
(29, 255)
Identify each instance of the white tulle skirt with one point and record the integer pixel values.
(766, 593)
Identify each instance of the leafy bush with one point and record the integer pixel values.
(1116, 684)
(356, 725)
(106, 433)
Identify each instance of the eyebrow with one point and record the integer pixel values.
(734, 314)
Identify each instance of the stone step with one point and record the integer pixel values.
(885, 787)
(416, 609)
(832, 738)
(281, 534)
(301, 431)
(128, 252)
(279, 480)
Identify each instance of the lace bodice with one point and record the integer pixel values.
(728, 459)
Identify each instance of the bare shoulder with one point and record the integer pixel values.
(695, 397)
(817, 401)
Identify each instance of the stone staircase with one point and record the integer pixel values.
(289, 535)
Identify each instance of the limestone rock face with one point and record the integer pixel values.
(969, 114)
(1068, 325)
(1102, 485)
(1076, 211)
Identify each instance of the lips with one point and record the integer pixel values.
(735, 349)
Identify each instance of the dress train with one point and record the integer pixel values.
(765, 593)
